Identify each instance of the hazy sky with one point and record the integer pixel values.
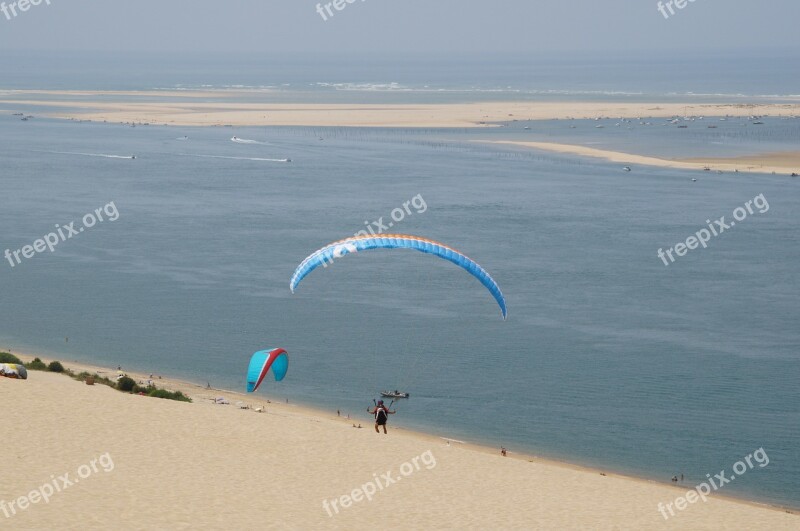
(402, 25)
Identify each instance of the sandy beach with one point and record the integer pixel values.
(145, 463)
(784, 163)
(251, 109)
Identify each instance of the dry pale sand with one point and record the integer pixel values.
(204, 466)
(784, 163)
(252, 110)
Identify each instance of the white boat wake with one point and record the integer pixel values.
(257, 159)
(102, 155)
(246, 141)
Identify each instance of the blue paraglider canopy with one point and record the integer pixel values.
(356, 244)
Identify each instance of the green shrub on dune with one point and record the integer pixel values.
(55, 366)
(126, 384)
(7, 357)
(169, 395)
(36, 365)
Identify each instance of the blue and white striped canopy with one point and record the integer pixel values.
(356, 244)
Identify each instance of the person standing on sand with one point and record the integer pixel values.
(381, 413)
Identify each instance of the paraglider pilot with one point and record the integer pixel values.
(381, 413)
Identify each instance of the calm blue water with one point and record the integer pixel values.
(608, 358)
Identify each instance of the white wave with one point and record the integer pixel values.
(397, 87)
(366, 86)
(246, 141)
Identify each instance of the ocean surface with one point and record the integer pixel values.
(608, 358)
(766, 75)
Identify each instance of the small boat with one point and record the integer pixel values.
(627, 168)
(395, 394)
(758, 123)
(694, 180)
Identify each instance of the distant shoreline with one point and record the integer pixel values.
(186, 108)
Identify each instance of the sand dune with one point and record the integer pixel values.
(205, 466)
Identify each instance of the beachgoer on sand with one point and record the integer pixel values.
(381, 413)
